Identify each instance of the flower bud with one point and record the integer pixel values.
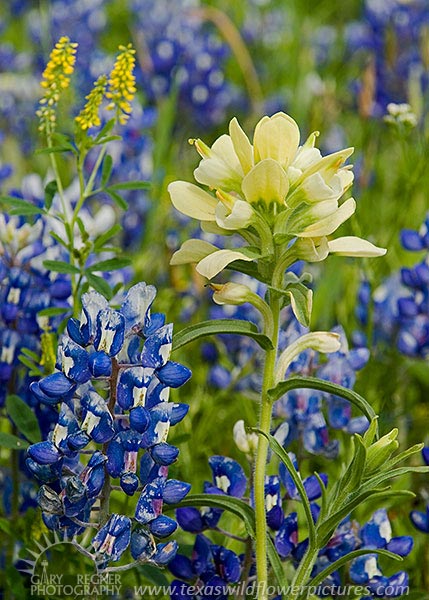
(231, 293)
(246, 442)
(380, 452)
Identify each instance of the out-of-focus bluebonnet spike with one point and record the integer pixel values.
(190, 519)
(411, 240)
(181, 566)
(420, 520)
(286, 538)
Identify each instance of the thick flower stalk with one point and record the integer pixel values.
(112, 382)
(284, 200)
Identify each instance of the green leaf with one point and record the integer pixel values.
(313, 383)
(105, 130)
(20, 207)
(58, 239)
(105, 237)
(214, 327)
(119, 201)
(109, 138)
(56, 149)
(99, 284)
(320, 577)
(130, 185)
(233, 505)
(23, 417)
(59, 266)
(7, 440)
(301, 299)
(248, 268)
(284, 457)
(53, 311)
(106, 169)
(50, 191)
(111, 264)
(246, 513)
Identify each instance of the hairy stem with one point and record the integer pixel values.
(262, 453)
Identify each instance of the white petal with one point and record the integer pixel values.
(192, 201)
(192, 251)
(239, 217)
(213, 264)
(329, 224)
(243, 148)
(355, 246)
(276, 137)
(222, 169)
(267, 181)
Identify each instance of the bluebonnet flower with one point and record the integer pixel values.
(113, 376)
(183, 53)
(210, 570)
(390, 31)
(420, 519)
(400, 312)
(228, 479)
(377, 533)
(26, 288)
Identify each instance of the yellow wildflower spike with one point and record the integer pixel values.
(89, 116)
(122, 88)
(55, 78)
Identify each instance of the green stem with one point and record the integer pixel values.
(303, 573)
(262, 454)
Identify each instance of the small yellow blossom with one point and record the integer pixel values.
(122, 83)
(89, 116)
(55, 78)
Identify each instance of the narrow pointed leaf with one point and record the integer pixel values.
(233, 326)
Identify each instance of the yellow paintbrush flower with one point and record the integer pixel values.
(271, 190)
